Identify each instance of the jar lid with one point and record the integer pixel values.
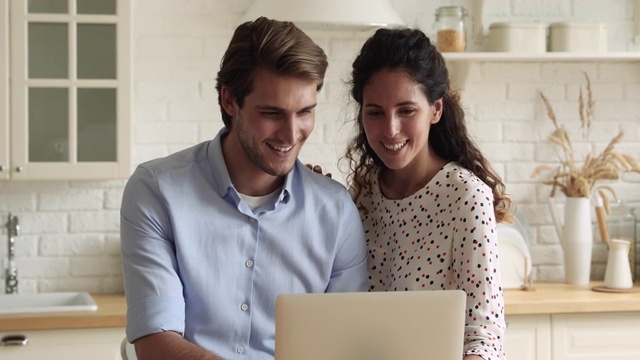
(579, 25)
(451, 11)
(517, 25)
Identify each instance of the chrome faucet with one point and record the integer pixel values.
(11, 272)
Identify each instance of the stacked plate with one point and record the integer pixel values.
(513, 252)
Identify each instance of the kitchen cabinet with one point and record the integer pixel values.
(65, 89)
(611, 336)
(4, 89)
(579, 336)
(68, 344)
(528, 337)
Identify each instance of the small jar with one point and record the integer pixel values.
(451, 34)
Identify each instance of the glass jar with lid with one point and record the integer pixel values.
(621, 224)
(450, 29)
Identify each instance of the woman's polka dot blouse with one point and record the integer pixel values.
(442, 237)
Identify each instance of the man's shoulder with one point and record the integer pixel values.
(178, 159)
(319, 183)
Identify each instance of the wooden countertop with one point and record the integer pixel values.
(547, 298)
(557, 298)
(112, 310)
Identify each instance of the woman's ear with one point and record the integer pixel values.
(438, 107)
(228, 101)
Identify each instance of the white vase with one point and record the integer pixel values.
(618, 271)
(576, 239)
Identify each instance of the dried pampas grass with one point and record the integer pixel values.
(569, 177)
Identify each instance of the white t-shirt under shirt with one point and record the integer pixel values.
(442, 237)
(255, 202)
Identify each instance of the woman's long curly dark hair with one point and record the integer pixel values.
(411, 51)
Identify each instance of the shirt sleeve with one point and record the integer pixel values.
(350, 264)
(476, 264)
(153, 288)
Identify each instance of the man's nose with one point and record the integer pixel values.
(289, 129)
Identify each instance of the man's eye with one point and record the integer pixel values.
(270, 113)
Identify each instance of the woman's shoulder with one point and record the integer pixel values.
(454, 174)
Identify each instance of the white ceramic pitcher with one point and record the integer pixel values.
(576, 238)
(618, 272)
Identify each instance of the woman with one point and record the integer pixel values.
(429, 200)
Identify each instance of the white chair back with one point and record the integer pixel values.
(127, 351)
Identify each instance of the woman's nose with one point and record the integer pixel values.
(392, 125)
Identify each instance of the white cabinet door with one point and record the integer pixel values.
(610, 336)
(4, 90)
(528, 337)
(75, 344)
(69, 95)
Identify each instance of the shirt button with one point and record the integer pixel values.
(248, 263)
(252, 219)
(244, 307)
(240, 349)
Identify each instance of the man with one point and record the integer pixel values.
(213, 234)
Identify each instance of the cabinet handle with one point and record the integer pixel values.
(19, 168)
(14, 340)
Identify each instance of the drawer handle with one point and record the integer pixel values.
(14, 340)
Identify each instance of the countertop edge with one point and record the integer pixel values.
(547, 298)
(111, 312)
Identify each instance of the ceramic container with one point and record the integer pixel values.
(618, 271)
(522, 37)
(578, 37)
(576, 238)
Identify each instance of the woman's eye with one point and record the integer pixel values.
(374, 113)
(407, 112)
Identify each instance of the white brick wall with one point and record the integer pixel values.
(70, 235)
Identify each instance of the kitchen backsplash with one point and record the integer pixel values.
(70, 236)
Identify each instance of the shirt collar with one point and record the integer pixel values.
(221, 176)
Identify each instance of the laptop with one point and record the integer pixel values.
(403, 325)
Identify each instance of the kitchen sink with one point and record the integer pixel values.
(46, 302)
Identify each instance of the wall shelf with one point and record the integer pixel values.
(458, 63)
(543, 57)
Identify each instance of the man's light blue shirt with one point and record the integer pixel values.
(198, 261)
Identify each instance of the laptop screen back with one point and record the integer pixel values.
(370, 326)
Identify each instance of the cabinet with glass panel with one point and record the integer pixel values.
(65, 89)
